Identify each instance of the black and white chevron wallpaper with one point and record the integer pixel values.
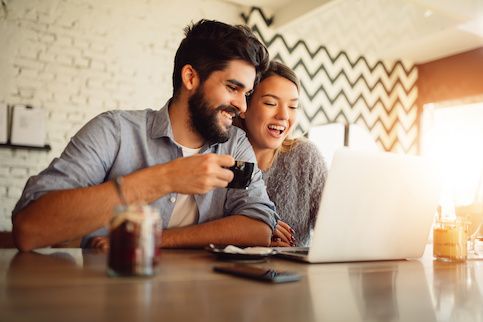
(337, 87)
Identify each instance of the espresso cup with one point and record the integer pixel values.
(242, 175)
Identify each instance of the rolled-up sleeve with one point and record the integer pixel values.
(252, 202)
(85, 161)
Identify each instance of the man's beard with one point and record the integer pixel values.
(204, 119)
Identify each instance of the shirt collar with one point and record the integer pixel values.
(161, 126)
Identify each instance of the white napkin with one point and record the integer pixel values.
(248, 250)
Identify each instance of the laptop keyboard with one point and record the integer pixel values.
(292, 250)
(301, 251)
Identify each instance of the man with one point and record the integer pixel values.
(174, 158)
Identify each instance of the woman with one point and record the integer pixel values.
(293, 169)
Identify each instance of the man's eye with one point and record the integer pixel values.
(294, 107)
(231, 88)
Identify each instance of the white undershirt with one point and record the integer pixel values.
(185, 211)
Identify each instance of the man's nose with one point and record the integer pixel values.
(240, 103)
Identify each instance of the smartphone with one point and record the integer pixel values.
(258, 273)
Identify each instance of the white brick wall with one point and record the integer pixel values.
(78, 58)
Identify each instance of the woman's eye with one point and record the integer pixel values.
(270, 103)
(294, 107)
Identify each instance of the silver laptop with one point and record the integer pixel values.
(375, 206)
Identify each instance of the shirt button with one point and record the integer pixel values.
(172, 199)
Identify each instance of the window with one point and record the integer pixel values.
(452, 135)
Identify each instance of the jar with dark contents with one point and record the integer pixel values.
(135, 241)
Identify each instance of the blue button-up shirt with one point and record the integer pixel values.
(117, 143)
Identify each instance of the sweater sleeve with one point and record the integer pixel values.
(317, 178)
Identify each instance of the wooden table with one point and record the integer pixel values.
(71, 285)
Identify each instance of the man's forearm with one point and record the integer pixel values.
(68, 214)
(63, 215)
(236, 230)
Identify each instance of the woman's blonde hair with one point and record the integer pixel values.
(276, 68)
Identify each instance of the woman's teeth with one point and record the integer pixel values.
(278, 128)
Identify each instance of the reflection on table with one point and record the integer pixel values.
(70, 284)
(379, 291)
(458, 291)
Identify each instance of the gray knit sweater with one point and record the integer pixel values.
(294, 183)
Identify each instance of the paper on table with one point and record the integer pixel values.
(28, 126)
(248, 250)
(3, 123)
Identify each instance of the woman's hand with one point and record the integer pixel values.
(283, 235)
(100, 242)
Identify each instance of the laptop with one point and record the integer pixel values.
(375, 206)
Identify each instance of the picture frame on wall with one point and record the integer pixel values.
(28, 126)
(3, 123)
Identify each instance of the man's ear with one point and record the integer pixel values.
(189, 77)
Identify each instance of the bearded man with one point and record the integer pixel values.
(175, 159)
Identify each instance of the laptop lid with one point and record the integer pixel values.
(375, 206)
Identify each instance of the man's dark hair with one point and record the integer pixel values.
(210, 45)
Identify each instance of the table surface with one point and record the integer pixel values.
(71, 285)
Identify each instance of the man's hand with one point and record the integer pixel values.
(200, 173)
(43, 222)
(237, 230)
(100, 242)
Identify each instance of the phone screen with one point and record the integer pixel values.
(258, 273)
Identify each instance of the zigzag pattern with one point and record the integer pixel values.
(378, 95)
(367, 27)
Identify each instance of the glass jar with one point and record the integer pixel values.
(135, 241)
(449, 240)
